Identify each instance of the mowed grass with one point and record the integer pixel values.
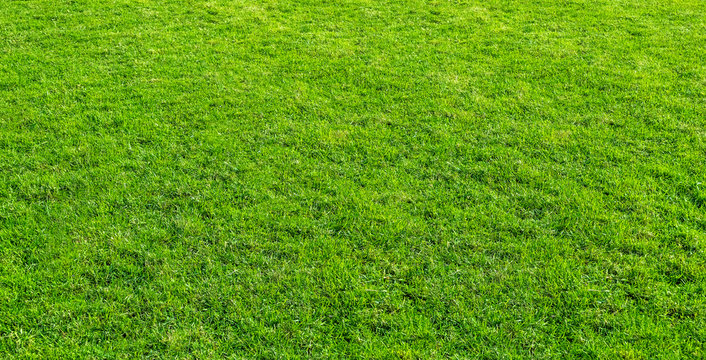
(281, 179)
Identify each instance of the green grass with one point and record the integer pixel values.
(352, 179)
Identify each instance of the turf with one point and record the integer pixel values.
(352, 179)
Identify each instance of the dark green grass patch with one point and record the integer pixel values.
(352, 179)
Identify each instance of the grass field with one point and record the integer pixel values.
(280, 179)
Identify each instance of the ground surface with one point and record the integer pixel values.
(330, 179)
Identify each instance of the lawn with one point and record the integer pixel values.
(280, 179)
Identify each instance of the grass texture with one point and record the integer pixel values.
(279, 179)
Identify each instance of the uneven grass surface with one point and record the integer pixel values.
(352, 179)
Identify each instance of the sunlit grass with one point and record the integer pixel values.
(352, 179)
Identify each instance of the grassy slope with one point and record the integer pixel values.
(284, 179)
